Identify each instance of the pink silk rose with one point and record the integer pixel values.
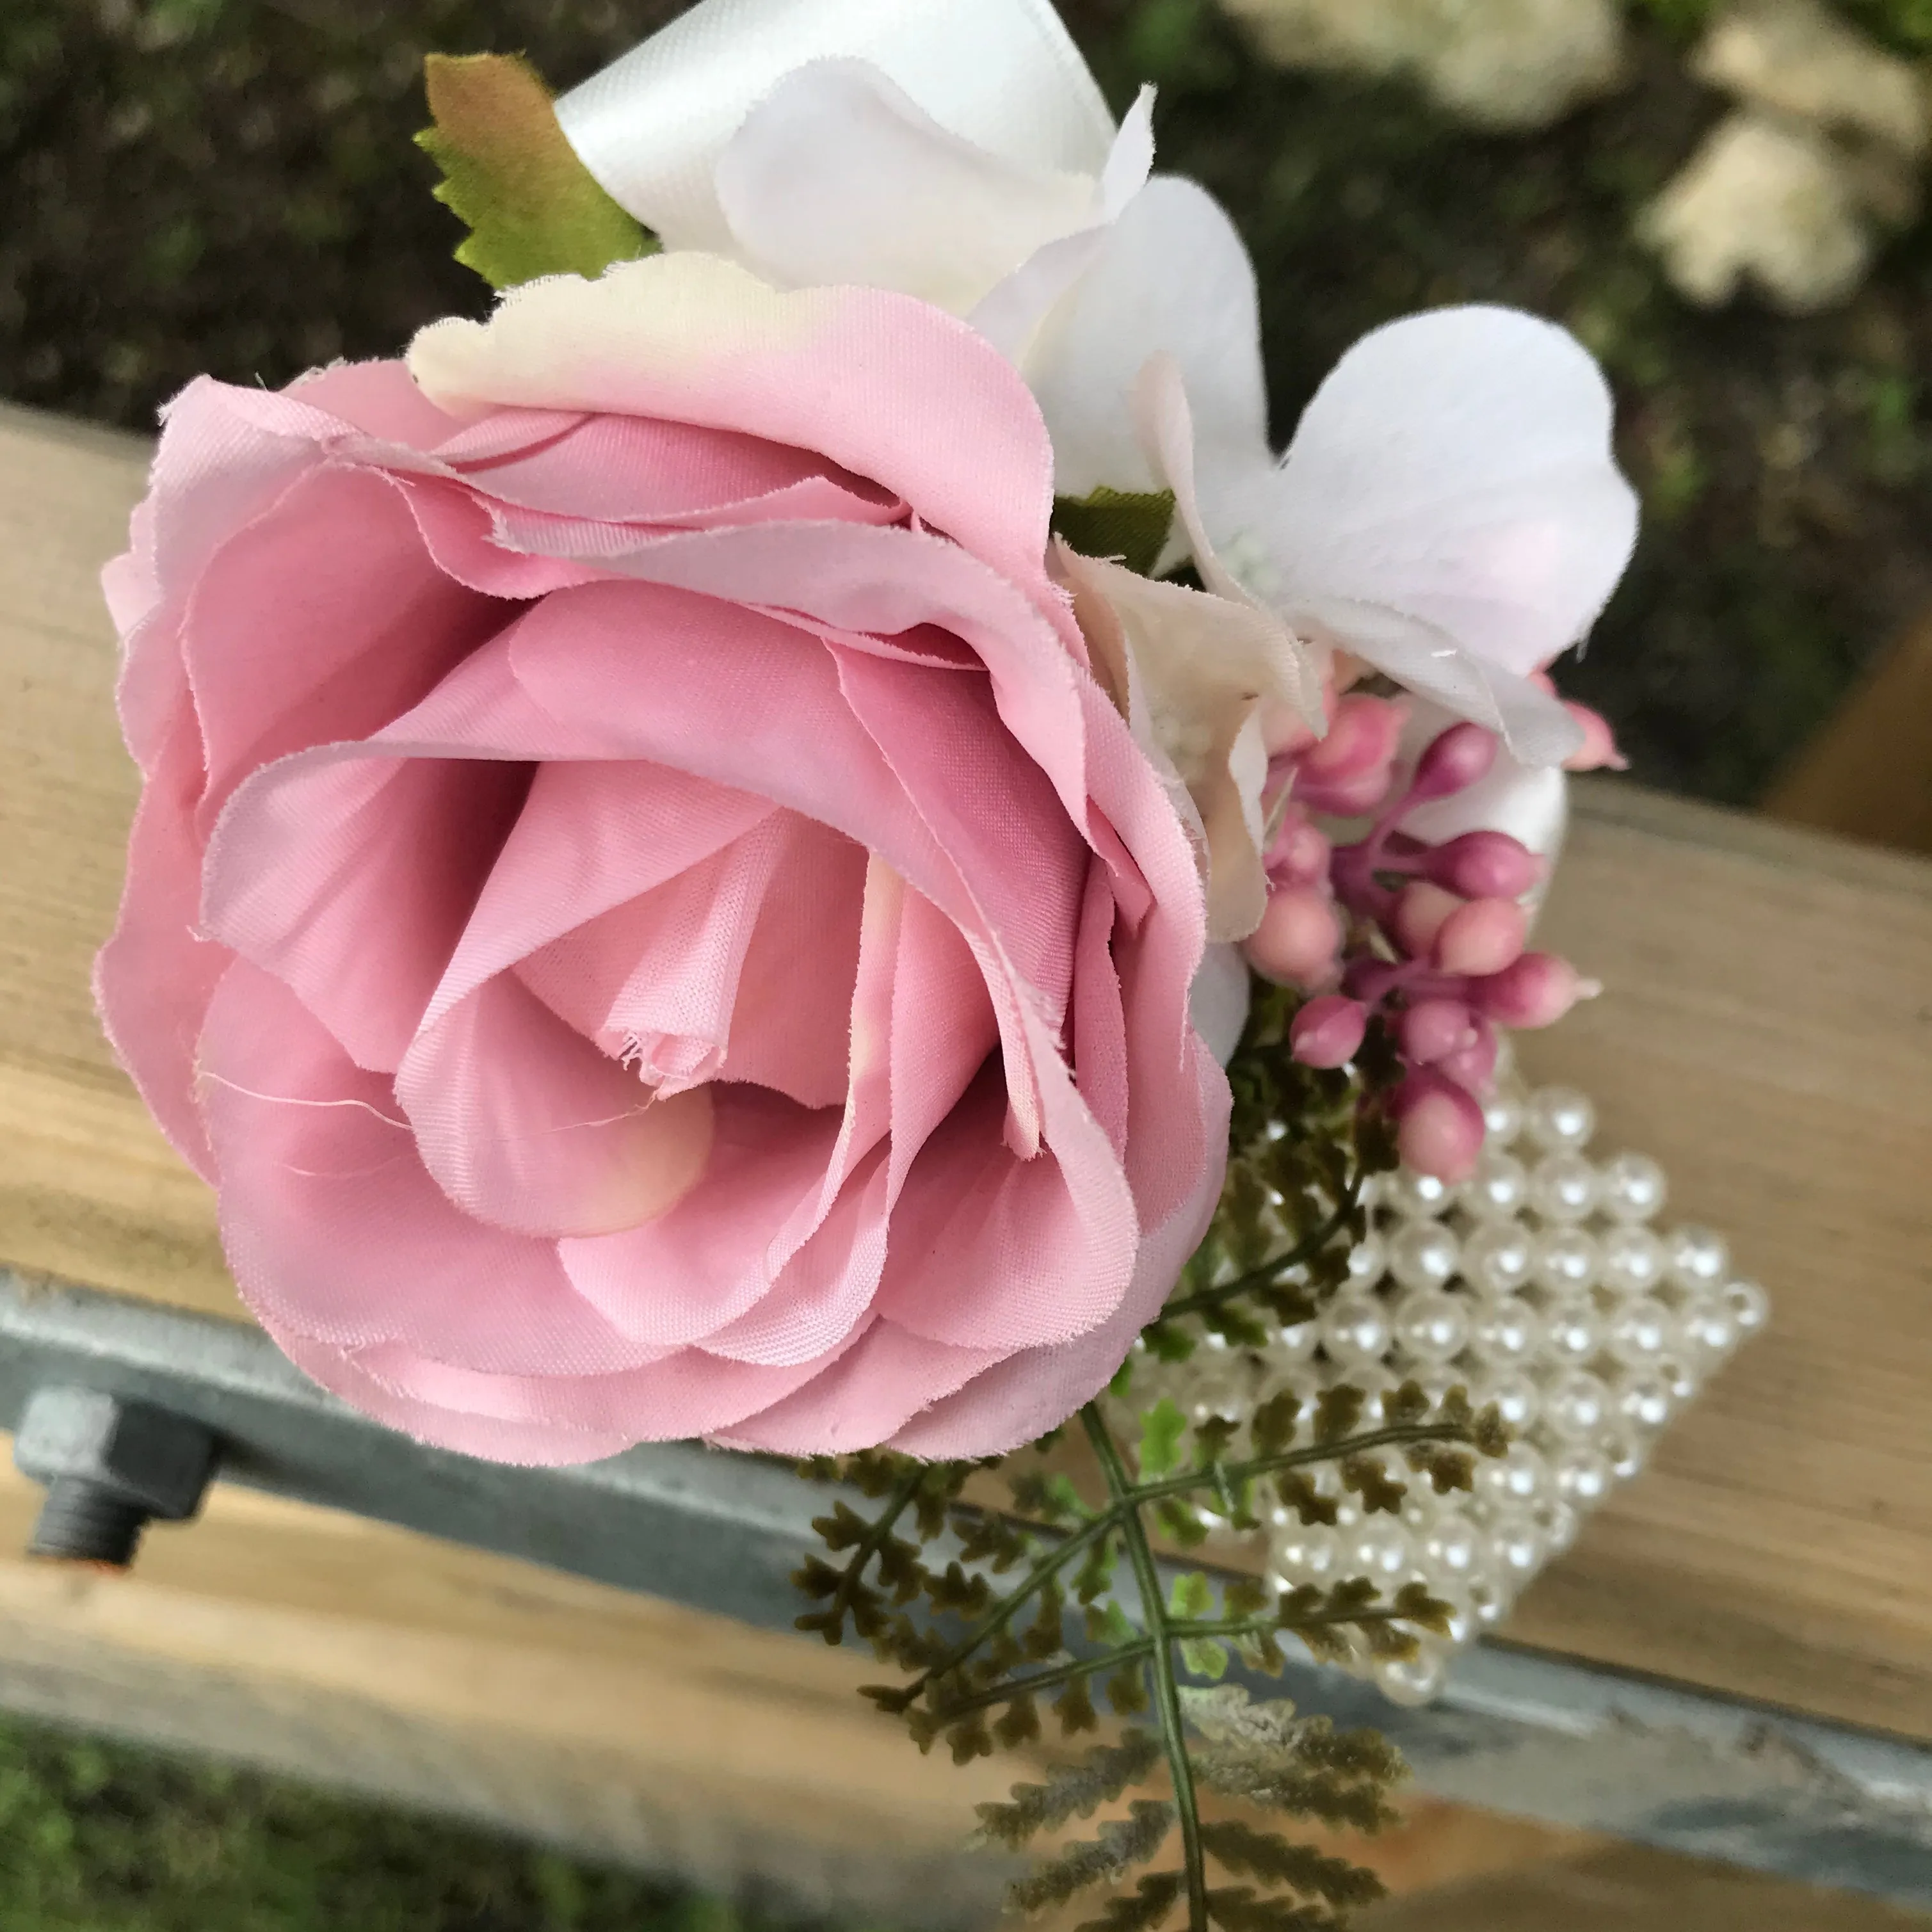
(638, 905)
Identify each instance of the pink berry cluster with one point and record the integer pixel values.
(1432, 937)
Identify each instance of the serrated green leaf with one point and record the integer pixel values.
(1132, 526)
(533, 208)
(1161, 1429)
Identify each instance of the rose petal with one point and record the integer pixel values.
(527, 1127)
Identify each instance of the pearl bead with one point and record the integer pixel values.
(1506, 1332)
(1584, 1477)
(1502, 1118)
(1631, 1259)
(1497, 1259)
(1519, 1476)
(1516, 1549)
(1305, 1556)
(1559, 1118)
(1516, 1398)
(1451, 1555)
(1624, 1454)
(1698, 1258)
(1565, 1261)
(1491, 1603)
(1633, 1188)
(1296, 1345)
(1710, 1330)
(1576, 1406)
(1424, 1255)
(1645, 1400)
(1575, 1330)
(1432, 1327)
(1416, 1197)
(1499, 1189)
(1355, 1330)
(1557, 1523)
(1414, 1680)
(1641, 1331)
(1563, 1187)
(1368, 1261)
(1750, 1306)
(1380, 1551)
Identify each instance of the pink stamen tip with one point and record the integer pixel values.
(1598, 751)
(1329, 1031)
(1535, 991)
(1363, 734)
(1299, 940)
(1432, 1030)
(1300, 854)
(1454, 761)
(1484, 866)
(1439, 1126)
(1420, 911)
(1481, 938)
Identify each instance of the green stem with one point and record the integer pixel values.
(1299, 1459)
(1010, 1606)
(1167, 1692)
(1045, 1680)
(1206, 1300)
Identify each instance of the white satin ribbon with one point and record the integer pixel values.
(1003, 74)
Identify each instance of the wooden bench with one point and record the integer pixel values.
(1767, 1035)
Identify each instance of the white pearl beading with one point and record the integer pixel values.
(1540, 1285)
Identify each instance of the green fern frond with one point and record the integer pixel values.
(1106, 1859)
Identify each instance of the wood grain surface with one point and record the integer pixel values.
(1767, 1035)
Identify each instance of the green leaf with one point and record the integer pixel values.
(1192, 1597)
(1205, 1657)
(1131, 525)
(1162, 1428)
(532, 207)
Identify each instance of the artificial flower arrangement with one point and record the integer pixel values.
(806, 838)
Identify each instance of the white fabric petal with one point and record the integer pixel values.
(1218, 1001)
(1174, 279)
(1455, 468)
(839, 176)
(1002, 74)
(1011, 316)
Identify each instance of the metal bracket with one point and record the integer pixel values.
(1542, 1736)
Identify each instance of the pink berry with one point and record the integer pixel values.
(1484, 866)
(1473, 1068)
(1300, 854)
(1432, 1030)
(1459, 758)
(1354, 796)
(1421, 909)
(1363, 734)
(1439, 1127)
(1329, 1031)
(1482, 938)
(1535, 991)
(1299, 940)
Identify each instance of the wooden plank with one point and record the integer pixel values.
(1867, 774)
(1767, 1034)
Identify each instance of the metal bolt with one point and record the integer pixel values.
(111, 1467)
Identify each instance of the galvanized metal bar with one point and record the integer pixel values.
(1545, 1737)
